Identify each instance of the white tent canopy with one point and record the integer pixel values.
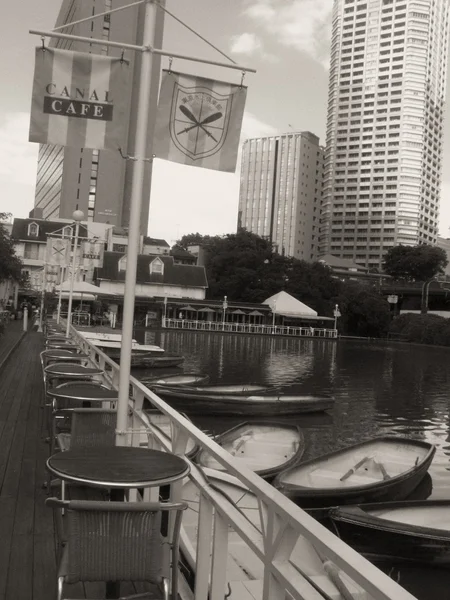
(286, 305)
(79, 287)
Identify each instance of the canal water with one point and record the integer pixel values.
(380, 388)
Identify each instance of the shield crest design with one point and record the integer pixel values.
(199, 120)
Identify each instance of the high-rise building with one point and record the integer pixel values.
(382, 169)
(279, 197)
(99, 182)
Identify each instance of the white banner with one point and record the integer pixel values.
(92, 254)
(199, 121)
(58, 251)
(79, 99)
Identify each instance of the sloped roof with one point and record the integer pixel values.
(341, 263)
(174, 274)
(20, 229)
(181, 253)
(285, 304)
(155, 241)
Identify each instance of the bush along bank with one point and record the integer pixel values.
(422, 329)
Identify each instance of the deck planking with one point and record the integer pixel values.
(28, 546)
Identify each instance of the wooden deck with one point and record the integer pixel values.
(27, 536)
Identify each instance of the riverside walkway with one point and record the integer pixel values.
(28, 546)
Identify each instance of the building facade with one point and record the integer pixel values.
(99, 182)
(382, 170)
(280, 191)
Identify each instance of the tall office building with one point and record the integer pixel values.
(279, 197)
(98, 181)
(382, 170)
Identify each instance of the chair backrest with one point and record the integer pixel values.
(93, 428)
(118, 541)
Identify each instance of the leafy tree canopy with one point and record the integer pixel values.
(10, 264)
(364, 311)
(415, 263)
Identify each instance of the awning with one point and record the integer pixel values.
(187, 308)
(78, 296)
(256, 313)
(80, 287)
(238, 311)
(208, 310)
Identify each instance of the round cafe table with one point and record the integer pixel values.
(52, 344)
(58, 337)
(72, 370)
(118, 467)
(84, 391)
(64, 355)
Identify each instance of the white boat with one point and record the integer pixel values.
(105, 337)
(244, 570)
(134, 346)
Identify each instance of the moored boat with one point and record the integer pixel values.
(176, 379)
(162, 424)
(150, 361)
(226, 390)
(412, 531)
(244, 570)
(186, 399)
(264, 448)
(385, 468)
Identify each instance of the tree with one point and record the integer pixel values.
(415, 263)
(195, 239)
(364, 312)
(10, 264)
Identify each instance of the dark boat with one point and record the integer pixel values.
(263, 448)
(172, 380)
(226, 390)
(187, 399)
(385, 468)
(412, 531)
(150, 361)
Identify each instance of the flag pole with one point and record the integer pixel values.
(142, 119)
(78, 216)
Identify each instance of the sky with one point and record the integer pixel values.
(286, 41)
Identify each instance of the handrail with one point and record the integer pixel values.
(289, 517)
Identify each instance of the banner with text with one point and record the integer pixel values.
(199, 121)
(79, 99)
(58, 251)
(92, 254)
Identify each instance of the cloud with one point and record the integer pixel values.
(18, 164)
(300, 24)
(249, 44)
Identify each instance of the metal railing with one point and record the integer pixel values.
(282, 523)
(228, 327)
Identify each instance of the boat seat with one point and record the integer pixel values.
(354, 479)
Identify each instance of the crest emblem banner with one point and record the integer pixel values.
(199, 121)
(58, 251)
(92, 254)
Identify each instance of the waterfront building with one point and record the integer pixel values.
(99, 182)
(280, 190)
(382, 170)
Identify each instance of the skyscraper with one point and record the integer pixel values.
(279, 197)
(99, 182)
(382, 170)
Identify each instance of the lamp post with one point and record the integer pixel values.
(224, 306)
(336, 313)
(77, 216)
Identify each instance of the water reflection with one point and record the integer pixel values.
(380, 389)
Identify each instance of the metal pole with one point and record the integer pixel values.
(25, 318)
(72, 277)
(41, 309)
(61, 279)
(135, 217)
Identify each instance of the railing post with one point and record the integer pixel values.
(203, 558)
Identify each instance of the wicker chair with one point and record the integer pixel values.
(119, 541)
(89, 428)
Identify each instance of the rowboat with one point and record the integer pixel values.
(385, 468)
(161, 423)
(187, 399)
(244, 569)
(411, 531)
(172, 380)
(225, 390)
(149, 360)
(263, 448)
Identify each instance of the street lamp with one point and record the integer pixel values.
(77, 216)
(224, 306)
(336, 313)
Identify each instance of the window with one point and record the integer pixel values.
(157, 266)
(33, 230)
(31, 250)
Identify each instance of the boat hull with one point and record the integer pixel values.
(396, 487)
(214, 404)
(258, 444)
(382, 539)
(155, 362)
(172, 380)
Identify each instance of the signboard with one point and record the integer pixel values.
(58, 251)
(92, 254)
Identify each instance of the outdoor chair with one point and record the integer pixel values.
(89, 428)
(119, 542)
